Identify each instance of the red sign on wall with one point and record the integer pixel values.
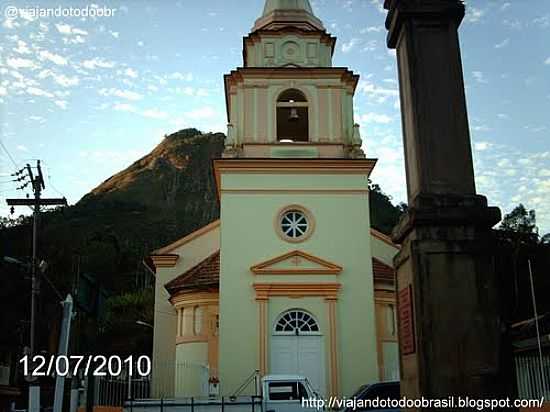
(406, 321)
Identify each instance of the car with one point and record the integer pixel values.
(379, 390)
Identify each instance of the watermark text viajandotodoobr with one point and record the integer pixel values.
(13, 12)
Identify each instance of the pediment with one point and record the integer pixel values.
(296, 262)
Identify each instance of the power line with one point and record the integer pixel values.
(51, 182)
(8, 153)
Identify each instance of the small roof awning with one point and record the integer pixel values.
(205, 275)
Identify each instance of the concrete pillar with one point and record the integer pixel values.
(449, 313)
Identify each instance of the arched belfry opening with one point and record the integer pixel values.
(292, 116)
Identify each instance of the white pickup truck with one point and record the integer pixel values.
(279, 393)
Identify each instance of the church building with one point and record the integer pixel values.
(291, 279)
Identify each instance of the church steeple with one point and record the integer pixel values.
(288, 100)
(284, 13)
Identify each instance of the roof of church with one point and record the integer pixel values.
(206, 274)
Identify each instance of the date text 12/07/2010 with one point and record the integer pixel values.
(97, 365)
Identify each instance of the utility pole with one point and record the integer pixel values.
(37, 184)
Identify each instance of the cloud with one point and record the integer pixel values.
(35, 91)
(505, 6)
(61, 104)
(181, 76)
(547, 61)
(20, 63)
(154, 114)
(97, 62)
(54, 58)
(502, 44)
(63, 28)
(125, 94)
(66, 81)
(379, 6)
(67, 29)
(543, 21)
(513, 24)
(205, 112)
(348, 46)
(503, 116)
(131, 73)
(10, 24)
(22, 48)
(370, 29)
(149, 113)
(473, 15)
(375, 118)
(481, 128)
(60, 79)
(124, 107)
(481, 146)
(370, 46)
(378, 92)
(478, 76)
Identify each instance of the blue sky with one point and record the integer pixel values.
(89, 96)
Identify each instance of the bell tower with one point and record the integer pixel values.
(295, 225)
(288, 100)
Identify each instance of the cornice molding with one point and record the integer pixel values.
(168, 260)
(327, 267)
(297, 290)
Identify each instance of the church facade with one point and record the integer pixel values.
(291, 279)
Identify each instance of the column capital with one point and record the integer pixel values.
(400, 11)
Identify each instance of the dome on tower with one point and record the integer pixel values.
(279, 14)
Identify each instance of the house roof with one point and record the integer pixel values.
(206, 274)
(382, 272)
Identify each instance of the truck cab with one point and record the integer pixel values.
(284, 393)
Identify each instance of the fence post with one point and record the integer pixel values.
(161, 404)
(192, 404)
(223, 405)
(129, 383)
(253, 403)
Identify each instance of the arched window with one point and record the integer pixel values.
(292, 116)
(296, 322)
(198, 320)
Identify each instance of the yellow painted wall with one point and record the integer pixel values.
(164, 340)
(190, 369)
(382, 251)
(342, 235)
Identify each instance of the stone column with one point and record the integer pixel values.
(450, 324)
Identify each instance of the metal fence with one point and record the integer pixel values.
(533, 378)
(181, 380)
(115, 390)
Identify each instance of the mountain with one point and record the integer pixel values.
(104, 237)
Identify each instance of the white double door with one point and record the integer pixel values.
(300, 355)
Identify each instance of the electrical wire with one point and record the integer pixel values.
(8, 153)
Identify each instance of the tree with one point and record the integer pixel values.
(519, 235)
(384, 215)
(521, 221)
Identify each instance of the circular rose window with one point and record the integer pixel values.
(294, 224)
